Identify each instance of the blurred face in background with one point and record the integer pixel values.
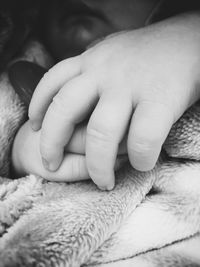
(69, 26)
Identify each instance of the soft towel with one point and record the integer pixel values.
(149, 219)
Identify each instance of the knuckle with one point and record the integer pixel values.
(98, 134)
(147, 138)
(58, 102)
(143, 146)
(59, 108)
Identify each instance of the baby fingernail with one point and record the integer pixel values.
(103, 188)
(45, 164)
(49, 166)
(106, 187)
(54, 165)
(110, 187)
(35, 126)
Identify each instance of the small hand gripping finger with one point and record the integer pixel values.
(105, 131)
(73, 169)
(69, 107)
(48, 87)
(150, 125)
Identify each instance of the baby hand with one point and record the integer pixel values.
(136, 83)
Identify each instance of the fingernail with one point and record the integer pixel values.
(49, 166)
(45, 164)
(111, 184)
(53, 166)
(103, 188)
(106, 187)
(110, 187)
(35, 126)
(143, 166)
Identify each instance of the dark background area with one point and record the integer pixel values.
(20, 18)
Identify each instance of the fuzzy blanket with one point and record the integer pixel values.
(149, 219)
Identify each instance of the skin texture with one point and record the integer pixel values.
(138, 82)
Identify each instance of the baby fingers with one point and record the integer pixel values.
(48, 87)
(150, 125)
(106, 128)
(69, 107)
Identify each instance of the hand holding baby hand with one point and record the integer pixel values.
(136, 83)
(26, 158)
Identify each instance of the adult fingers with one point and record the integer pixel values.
(105, 131)
(69, 107)
(78, 142)
(48, 86)
(150, 125)
(73, 168)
